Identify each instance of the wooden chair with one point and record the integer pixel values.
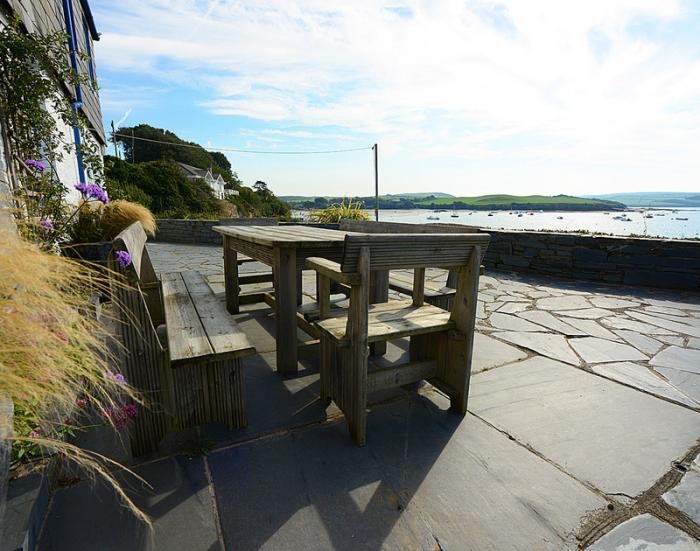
(192, 375)
(441, 341)
(436, 293)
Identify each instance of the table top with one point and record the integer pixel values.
(286, 236)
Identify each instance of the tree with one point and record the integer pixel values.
(261, 189)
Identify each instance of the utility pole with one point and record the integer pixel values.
(376, 183)
(133, 149)
(114, 140)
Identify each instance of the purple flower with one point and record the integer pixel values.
(35, 434)
(120, 378)
(46, 224)
(81, 402)
(130, 410)
(36, 165)
(92, 191)
(123, 259)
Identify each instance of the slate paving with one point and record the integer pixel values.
(584, 401)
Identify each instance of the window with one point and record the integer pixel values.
(88, 49)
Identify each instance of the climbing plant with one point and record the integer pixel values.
(36, 82)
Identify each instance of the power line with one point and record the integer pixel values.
(257, 152)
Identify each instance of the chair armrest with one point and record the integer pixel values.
(331, 270)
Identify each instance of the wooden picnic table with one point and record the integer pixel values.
(285, 249)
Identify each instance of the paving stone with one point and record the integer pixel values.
(694, 343)
(643, 378)
(644, 344)
(685, 381)
(538, 294)
(547, 320)
(614, 437)
(591, 328)
(672, 304)
(489, 353)
(514, 307)
(480, 312)
(685, 359)
(574, 302)
(89, 516)
(546, 344)
(663, 310)
(620, 322)
(612, 302)
(666, 324)
(406, 489)
(595, 350)
(485, 297)
(670, 339)
(513, 323)
(645, 532)
(678, 319)
(509, 298)
(588, 313)
(686, 496)
(494, 306)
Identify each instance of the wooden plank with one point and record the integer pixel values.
(418, 286)
(371, 226)
(393, 376)
(393, 320)
(332, 270)
(395, 251)
(404, 284)
(247, 279)
(132, 240)
(323, 296)
(231, 277)
(284, 236)
(285, 310)
(187, 338)
(226, 337)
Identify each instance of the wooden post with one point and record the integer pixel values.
(231, 277)
(286, 309)
(376, 183)
(418, 286)
(356, 406)
(323, 296)
(378, 293)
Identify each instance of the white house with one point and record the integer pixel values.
(214, 181)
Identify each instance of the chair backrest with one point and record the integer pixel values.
(368, 226)
(133, 241)
(260, 221)
(417, 250)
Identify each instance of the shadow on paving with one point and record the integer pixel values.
(89, 516)
(427, 479)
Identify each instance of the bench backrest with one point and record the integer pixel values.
(368, 226)
(260, 221)
(417, 250)
(133, 241)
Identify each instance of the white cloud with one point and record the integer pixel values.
(486, 80)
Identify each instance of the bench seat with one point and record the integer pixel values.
(198, 325)
(390, 320)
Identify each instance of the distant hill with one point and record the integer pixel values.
(654, 199)
(437, 200)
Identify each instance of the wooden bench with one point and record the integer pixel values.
(258, 221)
(436, 293)
(441, 341)
(192, 375)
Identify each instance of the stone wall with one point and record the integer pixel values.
(664, 263)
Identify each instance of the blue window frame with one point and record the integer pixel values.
(88, 49)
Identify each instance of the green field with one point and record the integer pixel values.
(655, 199)
(500, 201)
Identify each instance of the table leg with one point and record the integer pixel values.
(286, 309)
(300, 281)
(231, 277)
(378, 292)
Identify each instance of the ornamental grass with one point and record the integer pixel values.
(53, 355)
(119, 215)
(335, 213)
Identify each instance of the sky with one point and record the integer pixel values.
(467, 97)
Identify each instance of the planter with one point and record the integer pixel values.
(97, 252)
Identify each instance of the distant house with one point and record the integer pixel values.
(214, 181)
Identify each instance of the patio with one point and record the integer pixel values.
(572, 440)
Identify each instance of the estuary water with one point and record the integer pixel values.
(672, 223)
